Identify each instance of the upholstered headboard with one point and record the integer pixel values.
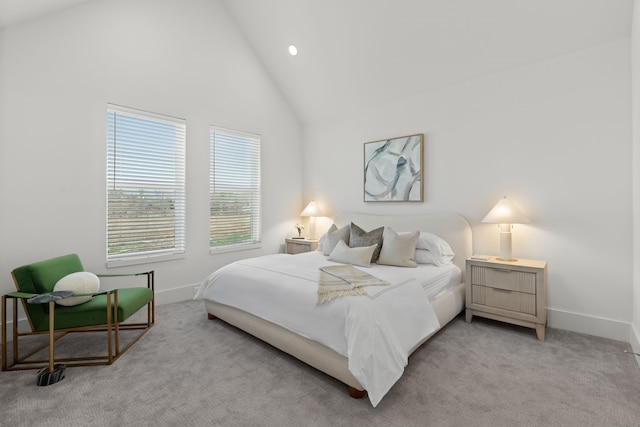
(450, 226)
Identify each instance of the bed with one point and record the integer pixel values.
(246, 310)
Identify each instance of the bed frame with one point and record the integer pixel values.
(451, 227)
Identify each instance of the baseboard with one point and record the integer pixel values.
(634, 339)
(182, 293)
(590, 325)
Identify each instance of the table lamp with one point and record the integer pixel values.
(312, 211)
(505, 213)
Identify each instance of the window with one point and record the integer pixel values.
(235, 219)
(145, 186)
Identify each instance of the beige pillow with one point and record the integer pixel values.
(357, 256)
(398, 250)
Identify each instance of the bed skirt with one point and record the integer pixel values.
(447, 306)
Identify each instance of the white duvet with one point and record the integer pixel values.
(375, 331)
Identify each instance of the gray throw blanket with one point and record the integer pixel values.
(344, 280)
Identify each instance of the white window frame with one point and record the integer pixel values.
(151, 164)
(225, 175)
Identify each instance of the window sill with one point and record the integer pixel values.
(234, 248)
(145, 259)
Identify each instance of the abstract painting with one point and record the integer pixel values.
(393, 169)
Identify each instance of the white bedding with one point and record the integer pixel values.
(375, 332)
(433, 279)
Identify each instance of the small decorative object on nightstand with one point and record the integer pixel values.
(298, 246)
(509, 291)
(299, 227)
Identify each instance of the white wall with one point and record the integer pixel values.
(554, 136)
(635, 82)
(184, 58)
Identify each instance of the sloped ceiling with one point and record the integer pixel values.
(357, 53)
(16, 11)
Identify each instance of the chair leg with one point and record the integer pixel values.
(109, 349)
(115, 321)
(55, 371)
(152, 306)
(15, 330)
(4, 333)
(52, 319)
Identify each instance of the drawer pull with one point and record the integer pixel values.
(503, 270)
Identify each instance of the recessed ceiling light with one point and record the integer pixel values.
(293, 50)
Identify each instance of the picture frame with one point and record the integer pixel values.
(394, 169)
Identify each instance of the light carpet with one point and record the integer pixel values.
(190, 371)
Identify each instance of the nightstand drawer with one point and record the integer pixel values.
(520, 302)
(299, 246)
(296, 248)
(511, 280)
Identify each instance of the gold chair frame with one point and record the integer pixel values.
(112, 328)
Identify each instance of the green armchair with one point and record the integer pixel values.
(105, 312)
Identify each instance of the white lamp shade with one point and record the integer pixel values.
(312, 209)
(505, 212)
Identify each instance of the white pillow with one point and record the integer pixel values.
(423, 256)
(439, 251)
(81, 282)
(321, 241)
(334, 235)
(398, 250)
(357, 256)
(439, 248)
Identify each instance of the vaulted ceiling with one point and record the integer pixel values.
(357, 53)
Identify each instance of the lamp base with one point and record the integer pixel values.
(505, 244)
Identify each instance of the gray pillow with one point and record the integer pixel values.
(334, 235)
(358, 237)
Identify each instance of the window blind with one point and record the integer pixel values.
(145, 184)
(235, 213)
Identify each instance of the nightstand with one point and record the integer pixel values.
(298, 246)
(513, 292)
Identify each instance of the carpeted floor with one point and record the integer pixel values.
(190, 371)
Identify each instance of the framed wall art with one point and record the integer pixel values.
(393, 169)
